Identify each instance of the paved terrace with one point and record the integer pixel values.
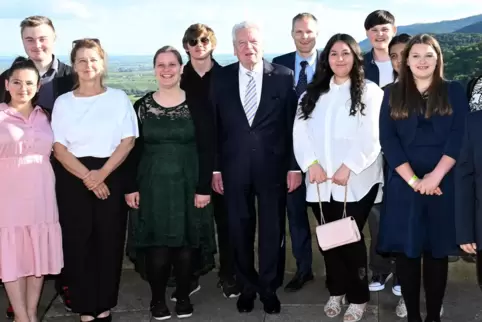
(462, 302)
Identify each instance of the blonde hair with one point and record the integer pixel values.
(88, 44)
(35, 21)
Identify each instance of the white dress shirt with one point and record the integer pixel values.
(257, 73)
(333, 137)
(93, 126)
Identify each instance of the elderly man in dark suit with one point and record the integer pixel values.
(254, 103)
(303, 63)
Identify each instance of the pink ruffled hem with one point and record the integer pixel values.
(30, 251)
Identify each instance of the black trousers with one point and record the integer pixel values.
(435, 271)
(93, 232)
(226, 256)
(271, 199)
(346, 266)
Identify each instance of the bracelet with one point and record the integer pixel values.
(412, 180)
(314, 162)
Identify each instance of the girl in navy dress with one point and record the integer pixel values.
(421, 126)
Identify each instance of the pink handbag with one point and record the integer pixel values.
(339, 232)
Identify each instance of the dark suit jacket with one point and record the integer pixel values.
(468, 184)
(63, 81)
(265, 148)
(288, 60)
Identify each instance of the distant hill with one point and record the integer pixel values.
(463, 62)
(446, 26)
(473, 28)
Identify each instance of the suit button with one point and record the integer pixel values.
(253, 149)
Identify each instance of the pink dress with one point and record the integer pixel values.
(30, 234)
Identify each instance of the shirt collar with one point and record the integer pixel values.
(257, 69)
(311, 60)
(333, 85)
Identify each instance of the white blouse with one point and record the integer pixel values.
(93, 126)
(333, 137)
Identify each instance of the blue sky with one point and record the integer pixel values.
(143, 26)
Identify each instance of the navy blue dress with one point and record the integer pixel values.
(412, 223)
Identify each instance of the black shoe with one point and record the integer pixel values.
(195, 287)
(107, 318)
(298, 281)
(159, 311)
(9, 313)
(378, 282)
(271, 304)
(230, 288)
(184, 309)
(245, 303)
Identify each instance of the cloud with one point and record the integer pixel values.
(143, 26)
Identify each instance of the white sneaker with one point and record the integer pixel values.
(378, 282)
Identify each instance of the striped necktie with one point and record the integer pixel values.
(250, 99)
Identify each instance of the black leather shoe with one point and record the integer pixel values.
(298, 282)
(245, 303)
(271, 304)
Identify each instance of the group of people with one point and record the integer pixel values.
(382, 137)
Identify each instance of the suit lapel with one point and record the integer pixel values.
(265, 107)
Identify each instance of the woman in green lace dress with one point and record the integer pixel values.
(171, 168)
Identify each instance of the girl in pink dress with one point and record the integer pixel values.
(30, 235)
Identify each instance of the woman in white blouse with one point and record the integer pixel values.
(336, 142)
(94, 130)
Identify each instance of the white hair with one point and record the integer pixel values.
(245, 25)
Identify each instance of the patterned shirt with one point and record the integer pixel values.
(475, 100)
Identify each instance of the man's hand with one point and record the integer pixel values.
(217, 183)
(293, 180)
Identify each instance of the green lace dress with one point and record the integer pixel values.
(167, 175)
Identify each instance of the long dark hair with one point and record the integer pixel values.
(405, 98)
(321, 80)
(398, 39)
(21, 63)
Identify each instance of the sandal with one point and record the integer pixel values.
(333, 306)
(355, 312)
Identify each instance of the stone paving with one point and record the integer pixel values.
(462, 303)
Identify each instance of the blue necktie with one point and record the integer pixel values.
(250, 99)
(302, 79)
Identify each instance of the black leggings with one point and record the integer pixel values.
(159, 261)
(435, 271)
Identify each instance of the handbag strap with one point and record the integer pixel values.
(319, 202)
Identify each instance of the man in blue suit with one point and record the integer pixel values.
(303, 63)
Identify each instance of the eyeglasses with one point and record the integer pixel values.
(96, 40)
(194, 42)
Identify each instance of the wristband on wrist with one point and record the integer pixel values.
(312, 163)
(412, 180)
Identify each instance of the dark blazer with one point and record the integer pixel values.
(468, 184)
(266, 146)
(288, 60)
(396, 136)
(371, 69)
(63, 81)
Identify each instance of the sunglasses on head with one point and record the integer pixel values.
(96, 40)
(194, 42)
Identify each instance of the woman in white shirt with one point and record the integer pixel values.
(94, 128)
(336, 142)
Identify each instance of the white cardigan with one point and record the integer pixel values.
(333, 137)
